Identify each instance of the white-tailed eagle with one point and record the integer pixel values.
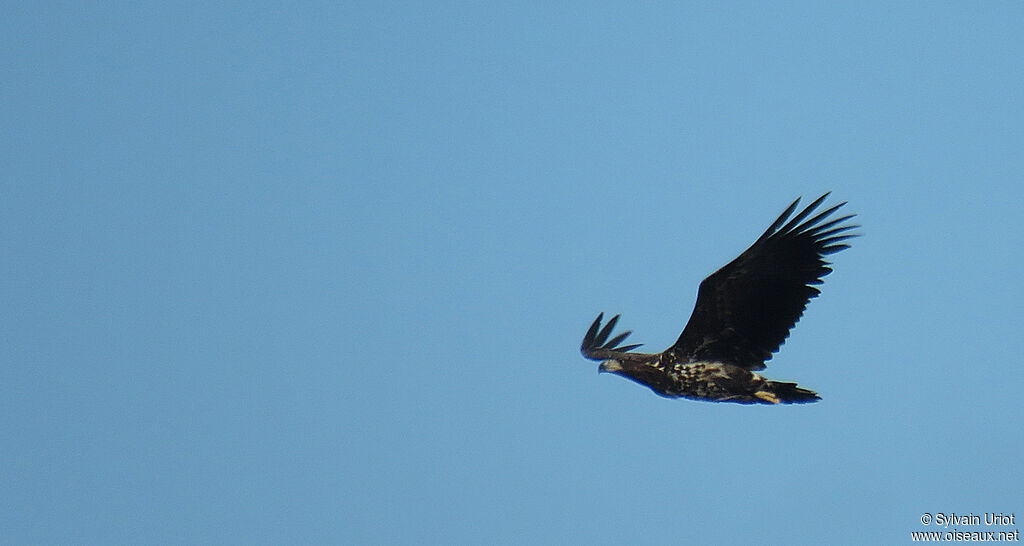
(743, 314)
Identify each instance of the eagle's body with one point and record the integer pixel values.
(715, 381)
(743, 314)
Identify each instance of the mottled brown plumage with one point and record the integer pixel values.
(743, 314)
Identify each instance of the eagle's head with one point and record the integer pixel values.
(610, 366)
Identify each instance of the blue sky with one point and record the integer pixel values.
(318, 273)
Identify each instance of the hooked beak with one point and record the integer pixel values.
(610, 366)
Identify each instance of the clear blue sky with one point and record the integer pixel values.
(319, 273)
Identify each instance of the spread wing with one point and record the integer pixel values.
(597, 346)
(745, 310)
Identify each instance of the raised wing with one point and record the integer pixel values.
(745, 310)
(597, 346)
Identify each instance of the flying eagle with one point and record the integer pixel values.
(743, 314)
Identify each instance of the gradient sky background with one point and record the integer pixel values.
(319, 272)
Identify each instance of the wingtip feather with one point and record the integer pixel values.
(596, 338)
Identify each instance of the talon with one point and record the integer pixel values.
(767, 397)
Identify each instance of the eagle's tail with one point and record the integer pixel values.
(789, 393)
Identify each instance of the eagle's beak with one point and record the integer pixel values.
(609, 366)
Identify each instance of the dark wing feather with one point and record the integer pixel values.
(597, 346)
(745, 310)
